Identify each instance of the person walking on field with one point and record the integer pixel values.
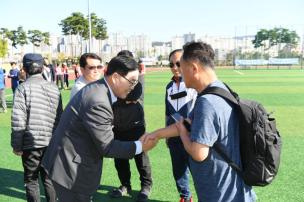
(65, 71)
(14, 75)
(2, 90)
(59, 77)
(179, 99)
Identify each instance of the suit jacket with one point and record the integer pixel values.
(83, 137)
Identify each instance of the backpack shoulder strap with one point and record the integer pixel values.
(221, 152)
(233, 98)
(222, 93)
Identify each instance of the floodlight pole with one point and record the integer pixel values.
(302, 52)
(90, 27)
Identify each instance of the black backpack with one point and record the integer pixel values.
(260, 142)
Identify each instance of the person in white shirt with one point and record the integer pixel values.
(91, 69)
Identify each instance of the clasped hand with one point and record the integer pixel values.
(148, 140)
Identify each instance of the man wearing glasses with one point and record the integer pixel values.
(91, 69)
(84, 134)
(179, 100)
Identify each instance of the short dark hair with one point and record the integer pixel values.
(173, 52)
(13, 63)
(83, 58)
(199, 51)
(125, 53)
(34, 68)
(122, 65)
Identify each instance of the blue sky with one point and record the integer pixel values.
(160, 19)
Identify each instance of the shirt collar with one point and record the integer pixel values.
(176, 79)
(113, 97)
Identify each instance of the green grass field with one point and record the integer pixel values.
(281, 91)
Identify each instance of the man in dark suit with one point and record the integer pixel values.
(84, 135)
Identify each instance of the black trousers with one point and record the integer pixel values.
(143, 167)
(59, 78)
(31, 161)
(66, 195)
(66, 80)
(141, 160)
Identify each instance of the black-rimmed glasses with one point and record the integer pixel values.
(171, 64)
(132, 83)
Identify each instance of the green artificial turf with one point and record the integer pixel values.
(280, 91)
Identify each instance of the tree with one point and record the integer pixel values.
(7, 34)
(35, 37)
(277, 36)
(77, 24)
(74, 24)
(17, 37)
(21, 38)
(3, 48)
(3, 42)
(61, 57)
(261, 38)
(99, 30)
(160, 58)
(46, 38)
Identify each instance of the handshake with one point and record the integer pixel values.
(180, 128)
(148, 140)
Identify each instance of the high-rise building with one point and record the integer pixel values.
(189, 37)
(177, 42)
(162, 49)
(140, 45)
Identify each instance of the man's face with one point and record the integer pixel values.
(93, 70)
(124, 84)
(174, 63)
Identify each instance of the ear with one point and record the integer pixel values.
(114, 77)
(195, 67)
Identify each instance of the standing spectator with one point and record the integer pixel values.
(141, 77)
(2, 90)
(213, 120)
(179, 99)
(46, 73)
(59, 76)
(142, 67)
(36, 112)
(129, 125)
(13, 74)
(65, 71)
(50, 68)
(91, 70)
(22, 75)
(76, 69)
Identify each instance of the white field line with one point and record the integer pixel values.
(241, 73)
(9, 95)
